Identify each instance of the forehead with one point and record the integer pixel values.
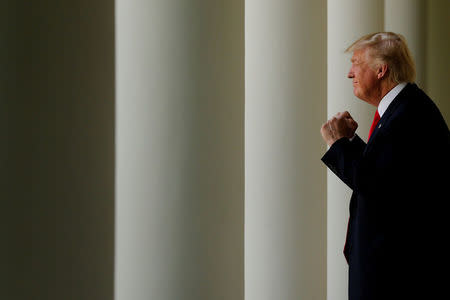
(358, 56)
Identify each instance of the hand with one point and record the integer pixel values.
(339, 126)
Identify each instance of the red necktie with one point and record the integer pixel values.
(376, 118)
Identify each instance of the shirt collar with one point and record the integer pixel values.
(389, 97)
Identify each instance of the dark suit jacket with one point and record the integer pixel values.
(398, 224)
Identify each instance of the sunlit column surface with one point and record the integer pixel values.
(408, 17)
(285, 192)
(179, 143)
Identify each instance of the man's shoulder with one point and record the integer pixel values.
(414, 95)
(413, 99)
(418, 112)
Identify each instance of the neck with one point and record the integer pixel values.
(385, 87)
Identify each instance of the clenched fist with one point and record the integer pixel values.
(339, 126)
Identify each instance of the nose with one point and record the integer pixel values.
(350, 74)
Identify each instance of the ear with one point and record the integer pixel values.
(381, 71)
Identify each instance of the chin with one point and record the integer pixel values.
(360, 97)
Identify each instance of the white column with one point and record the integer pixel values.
(407, 17)
(285, 211)
(179, 143)
(437, 55)
(347, 21)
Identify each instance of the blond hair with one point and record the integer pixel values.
(391, 49)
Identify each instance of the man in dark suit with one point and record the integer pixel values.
(396, 245)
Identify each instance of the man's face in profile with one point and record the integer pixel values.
(365, 81)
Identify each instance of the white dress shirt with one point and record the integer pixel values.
(389, 97)
(387, 100)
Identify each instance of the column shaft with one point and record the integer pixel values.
(437, 58)
(285, 244)
(179, 139)
(407, 17)
(58, 193)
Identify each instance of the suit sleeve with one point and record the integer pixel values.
(365, 173)
(343, 157)
(406, 160)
